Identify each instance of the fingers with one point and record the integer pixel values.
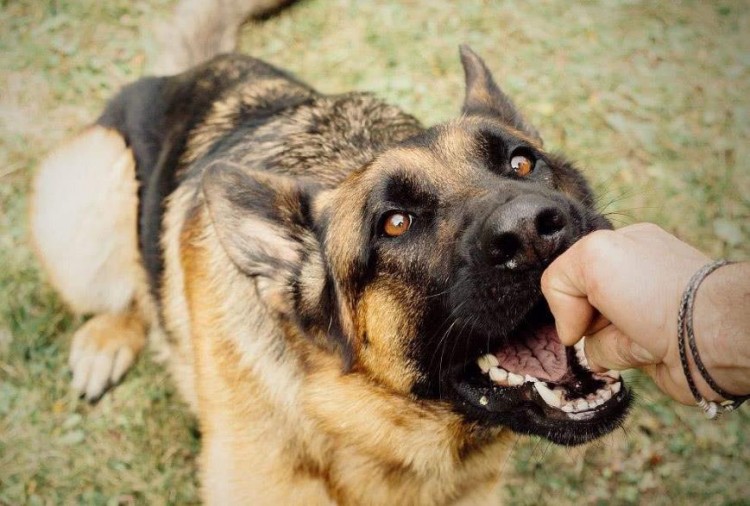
(598, 323)
(609, 348)
(563, 285)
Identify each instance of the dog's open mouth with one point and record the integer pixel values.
(536, 385)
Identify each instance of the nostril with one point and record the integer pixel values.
(550, 221)
(504, 247)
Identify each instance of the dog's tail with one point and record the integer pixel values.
(201, 29)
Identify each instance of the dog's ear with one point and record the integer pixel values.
(263, 220)
(484, 97)
(265, 224)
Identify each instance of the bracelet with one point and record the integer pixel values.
(685, 333)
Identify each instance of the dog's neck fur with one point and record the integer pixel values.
(327, 434)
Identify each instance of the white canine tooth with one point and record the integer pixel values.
(547, 394)
(579, 345)
(530, 379)
(484, 364)
(582, 359)
(616, 387)
(581, 405)
(492, 360)
(515, 379)
(604, 394)
(559, 392)
(498, 375)
(580, 353)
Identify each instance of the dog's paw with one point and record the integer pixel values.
(102, 351)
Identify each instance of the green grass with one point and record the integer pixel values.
(652, 99)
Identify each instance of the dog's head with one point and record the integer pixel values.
(422, 268)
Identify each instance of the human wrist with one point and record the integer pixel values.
(722, 330)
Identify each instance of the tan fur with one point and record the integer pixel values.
(200, 29)
(83, 225)
(83, 221)
(244, 459)
(103, 349)
(340, 439)
(178, 353)
(386, 319)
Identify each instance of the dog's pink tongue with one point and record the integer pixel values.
(539, 353)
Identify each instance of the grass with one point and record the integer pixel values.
(652, 100)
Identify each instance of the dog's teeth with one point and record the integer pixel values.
(515, 379)
(547, 394)
(581, 405)
(616, 388)
(498, 375)
(579, 345)
(582, 359)
(581, 354)
(485, 362)
(585, 415)
(559, 393)
(530, 379)
(568, 407)
(604, 394)
(493, 360)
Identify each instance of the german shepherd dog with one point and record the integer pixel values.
(350, 301)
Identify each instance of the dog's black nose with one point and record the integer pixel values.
(528, 230)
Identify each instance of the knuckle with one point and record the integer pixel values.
(645, 227)
(597, 243)
(597, 253)
(546, 281)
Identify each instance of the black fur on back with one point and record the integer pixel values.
(165, 120)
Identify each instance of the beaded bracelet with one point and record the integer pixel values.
(685, 333)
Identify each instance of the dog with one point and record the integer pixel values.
(350, 301)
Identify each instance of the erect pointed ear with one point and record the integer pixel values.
(484, 97)
(263, 220)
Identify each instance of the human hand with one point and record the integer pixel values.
(622, 290)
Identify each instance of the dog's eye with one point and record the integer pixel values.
(396, 223)
(522, 164)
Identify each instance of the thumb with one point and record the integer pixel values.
(609, 348)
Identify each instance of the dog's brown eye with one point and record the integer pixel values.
(396, 223)
(522, 164)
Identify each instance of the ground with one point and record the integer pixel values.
(651, 98)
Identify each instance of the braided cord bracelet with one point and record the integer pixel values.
(685, 332)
